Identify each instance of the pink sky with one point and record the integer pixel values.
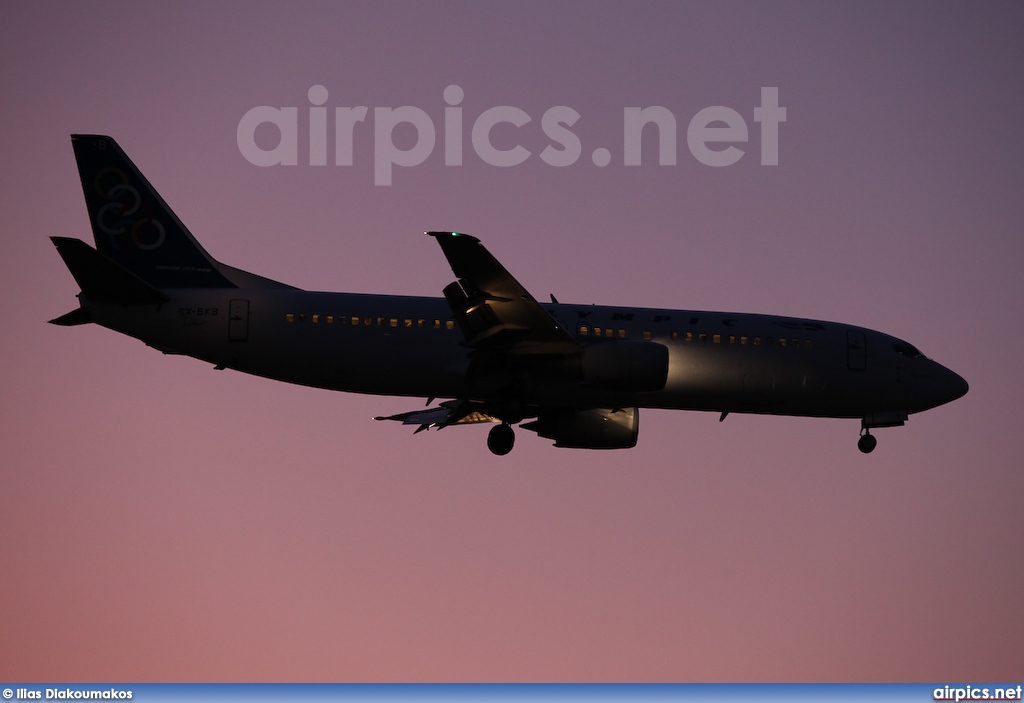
(162, 521)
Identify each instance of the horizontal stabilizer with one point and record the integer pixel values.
(79, 316)
(102, 279)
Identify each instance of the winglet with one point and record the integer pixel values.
(451, 235)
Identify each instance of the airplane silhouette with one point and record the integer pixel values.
(575, 374)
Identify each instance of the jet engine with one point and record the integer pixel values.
(625, 365)
(593, 428)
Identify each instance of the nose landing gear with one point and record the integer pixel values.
(500, 439)
(890, 418)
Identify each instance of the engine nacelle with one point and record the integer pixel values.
(625, 365)
(595, 428)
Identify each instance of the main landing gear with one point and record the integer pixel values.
(867, 441)
(500, 439)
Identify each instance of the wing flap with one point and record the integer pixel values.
(493, 310)
(450, 412)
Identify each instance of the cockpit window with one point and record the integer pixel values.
(907, 350)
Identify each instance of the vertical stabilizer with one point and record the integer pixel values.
(133, 225)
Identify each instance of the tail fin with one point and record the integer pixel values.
(132, 224)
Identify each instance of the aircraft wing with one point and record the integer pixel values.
(450, 412)
(494, 312)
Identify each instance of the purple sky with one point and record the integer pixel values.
(165, 522)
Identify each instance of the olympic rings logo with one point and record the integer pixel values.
(124, 212)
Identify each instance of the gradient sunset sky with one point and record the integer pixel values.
(162, 521)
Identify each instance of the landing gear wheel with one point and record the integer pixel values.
(867, 443)
(500, 439)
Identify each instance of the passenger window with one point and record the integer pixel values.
(622, 334)
(289, 317)
(647, 335)
(732, 339)
(703, 336)
(689, 336)
(330, 319)
(674, 335)
(757, 341)
(807, 343)
(316, 319)
(609, 332)
(583, 330)
(408, 322)
(782, 341)
(743, 340)
(449, 325)
(394, 322)
(302, 317)
(597, 331)
(716, 338)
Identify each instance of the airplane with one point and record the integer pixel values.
(574, 374)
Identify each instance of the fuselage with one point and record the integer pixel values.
(410, 346)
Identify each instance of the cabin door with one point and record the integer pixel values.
(856, 350)
(238, 321)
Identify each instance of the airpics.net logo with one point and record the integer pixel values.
(711, 136)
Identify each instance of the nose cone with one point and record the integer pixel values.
(938, 385)
(928, 384)
(953, 385)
